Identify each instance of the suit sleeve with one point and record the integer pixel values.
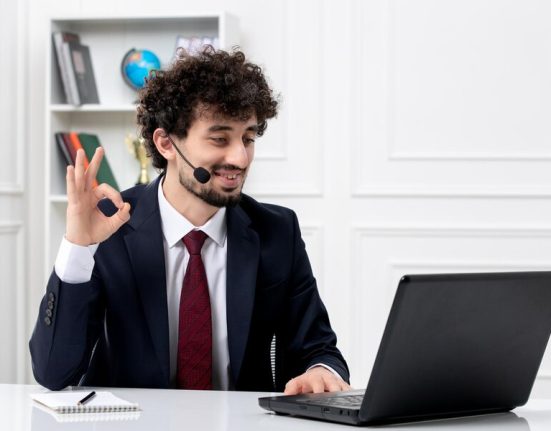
(68, 326)
(307, 333)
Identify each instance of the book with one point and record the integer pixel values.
(75, 142)
(64, 151)
(69, 146)
(66, 402)
(194, 44)
(71, 78)
(81, 62)
(105, 175)
(60, 38)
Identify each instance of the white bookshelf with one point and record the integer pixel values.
(109, 38)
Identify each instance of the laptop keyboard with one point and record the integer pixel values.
(347, 401)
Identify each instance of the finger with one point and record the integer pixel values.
(332, 384)
(111, 224)
(120, 217)
(106, 191)
(79, 170)
(293, 387)
(307, 384)
(71, 188)
(345, 386)
(93, 167)
(317, 385)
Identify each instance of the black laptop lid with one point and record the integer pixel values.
(459, 344)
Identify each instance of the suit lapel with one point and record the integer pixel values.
(145, 248)
(242, 264)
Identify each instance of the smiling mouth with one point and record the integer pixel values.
(228, 173)
(229, 181)
(228, 176)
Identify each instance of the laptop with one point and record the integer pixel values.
(454, 345)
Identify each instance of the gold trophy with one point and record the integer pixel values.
(136, 147)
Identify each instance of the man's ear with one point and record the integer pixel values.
(163, 144)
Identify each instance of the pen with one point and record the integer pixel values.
(86, 398)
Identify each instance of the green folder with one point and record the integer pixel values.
(105, 174)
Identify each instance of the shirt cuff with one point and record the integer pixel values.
(75, 263)
(327, 367)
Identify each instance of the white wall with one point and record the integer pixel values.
(413, 137)
(14, 149)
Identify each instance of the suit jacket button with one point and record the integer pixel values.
(51, 296)
(47, 321)
(50, 305)
(49, 313)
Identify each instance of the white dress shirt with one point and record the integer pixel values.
(175, 226)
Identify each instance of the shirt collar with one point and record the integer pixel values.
(175, 226)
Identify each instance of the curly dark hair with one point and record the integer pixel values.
(224, 82)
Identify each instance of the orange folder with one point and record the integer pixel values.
(77, 145)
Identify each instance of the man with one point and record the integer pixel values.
(185, 282)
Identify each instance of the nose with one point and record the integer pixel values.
(238, 154)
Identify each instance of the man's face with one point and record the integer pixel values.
(225, 148)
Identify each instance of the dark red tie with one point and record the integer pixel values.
(195, 327)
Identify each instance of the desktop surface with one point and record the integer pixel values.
(215, 410)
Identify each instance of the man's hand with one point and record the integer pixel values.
(86, 224)
(317, 379)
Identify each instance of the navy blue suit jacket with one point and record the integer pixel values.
(113, 330)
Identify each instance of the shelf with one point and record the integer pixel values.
(57, 199)
(109, 38)
(139, 19)
(130, 108)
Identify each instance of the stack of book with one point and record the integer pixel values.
(69, 143)
(75, 68)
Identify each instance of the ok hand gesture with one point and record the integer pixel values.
(86, 224)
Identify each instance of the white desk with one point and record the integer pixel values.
(164, 410)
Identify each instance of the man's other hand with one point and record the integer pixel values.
(316, 380)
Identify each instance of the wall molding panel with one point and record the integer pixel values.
(383, 253)
(11, 189)
(431, 191)
(417, 121)
(467, 157)
(284, 172)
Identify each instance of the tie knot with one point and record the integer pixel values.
(194, 241)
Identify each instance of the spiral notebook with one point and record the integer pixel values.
(40, 411)
(66, 402)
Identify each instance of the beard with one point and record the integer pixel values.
(208, 195)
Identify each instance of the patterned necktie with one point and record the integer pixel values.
(195, 326)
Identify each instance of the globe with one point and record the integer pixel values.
(136, 66)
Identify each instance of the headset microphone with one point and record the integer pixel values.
(200, 174)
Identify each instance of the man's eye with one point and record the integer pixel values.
(248, 141)
(219, 140)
